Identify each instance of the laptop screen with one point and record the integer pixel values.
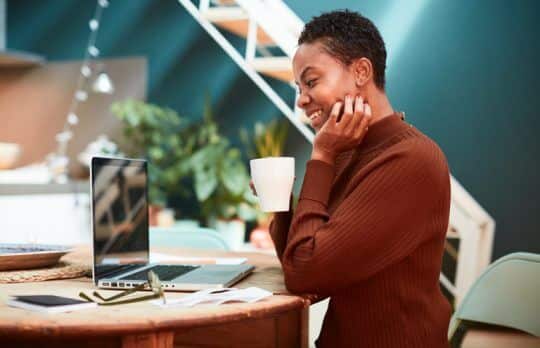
(120, 212)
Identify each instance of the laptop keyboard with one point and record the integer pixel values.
(104, 271)
(164, 272)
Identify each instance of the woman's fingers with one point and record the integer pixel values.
(367, 115)
(358, 113)
(334, 114)
(359, 106)
(364, 123)
(348, 110)
(252, 186)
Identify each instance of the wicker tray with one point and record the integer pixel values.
(61, 270)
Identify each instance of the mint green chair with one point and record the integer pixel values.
(507, 294)
(192, 237)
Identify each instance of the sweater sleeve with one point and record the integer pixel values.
(279, 229)
(381, 220)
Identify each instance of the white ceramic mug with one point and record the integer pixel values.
(273, 178)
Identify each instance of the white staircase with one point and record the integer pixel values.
(266, 23)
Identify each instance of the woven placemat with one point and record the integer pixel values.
(62, 270)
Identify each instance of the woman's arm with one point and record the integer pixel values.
(279, 229)
(388, 214)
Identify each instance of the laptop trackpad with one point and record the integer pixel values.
(214, 274)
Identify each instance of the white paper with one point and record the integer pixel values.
(216, 297)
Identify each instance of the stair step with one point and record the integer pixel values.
(235, 20)
(277, 67)
(224, 2)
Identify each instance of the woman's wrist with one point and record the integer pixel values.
(322, 155)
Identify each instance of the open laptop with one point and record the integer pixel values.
(121, 238)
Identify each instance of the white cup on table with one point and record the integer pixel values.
(273, 178)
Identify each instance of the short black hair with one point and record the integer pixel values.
(348, 35)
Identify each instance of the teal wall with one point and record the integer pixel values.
(465, 73)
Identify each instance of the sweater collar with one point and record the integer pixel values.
(382, 130)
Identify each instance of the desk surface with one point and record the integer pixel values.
(143, 317)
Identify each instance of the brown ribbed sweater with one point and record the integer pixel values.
(369, 232)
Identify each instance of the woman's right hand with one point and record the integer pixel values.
(341, 134)
(252, 187)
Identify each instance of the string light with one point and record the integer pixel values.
(58, 162)
(94, 24)
(86, 71)
(64, 136)
(73, 119)
(81, 95)
(93, 51)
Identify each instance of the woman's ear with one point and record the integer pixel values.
(363, 71)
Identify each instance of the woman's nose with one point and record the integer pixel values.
(302, 100)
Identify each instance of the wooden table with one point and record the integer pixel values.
(279, 321)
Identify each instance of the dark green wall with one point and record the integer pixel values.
(466, 74)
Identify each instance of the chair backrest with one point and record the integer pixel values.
(192, 237)
(507, 293)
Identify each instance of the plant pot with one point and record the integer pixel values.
(165, 217)
(232, 231)
(153, 211)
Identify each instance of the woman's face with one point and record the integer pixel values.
(322, 81)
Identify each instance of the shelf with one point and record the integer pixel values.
(13, 58)
(81, 186)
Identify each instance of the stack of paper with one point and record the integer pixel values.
(217, 297)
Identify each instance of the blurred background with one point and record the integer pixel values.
(147, 79)
(465, 73)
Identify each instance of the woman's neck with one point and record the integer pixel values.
(379, 103)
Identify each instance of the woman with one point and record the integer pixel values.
(370, 224)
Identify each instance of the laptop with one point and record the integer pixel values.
(119, 191)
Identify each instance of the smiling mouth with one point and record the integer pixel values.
(314, 115)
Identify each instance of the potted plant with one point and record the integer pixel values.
(221, 183)
(167, 140)
(268, 140)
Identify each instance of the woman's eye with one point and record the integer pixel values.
(310, 83)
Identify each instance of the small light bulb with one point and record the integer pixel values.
(94, 24)
(81, 95)
(86, 71)
(64, 136)
(73, 119)
(103, 3)
(93, 50)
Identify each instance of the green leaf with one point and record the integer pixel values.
(206, 182)
(233, 174)
(246, 212)
(156, 153)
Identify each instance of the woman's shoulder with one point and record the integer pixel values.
(412, 148)
(420, 153)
